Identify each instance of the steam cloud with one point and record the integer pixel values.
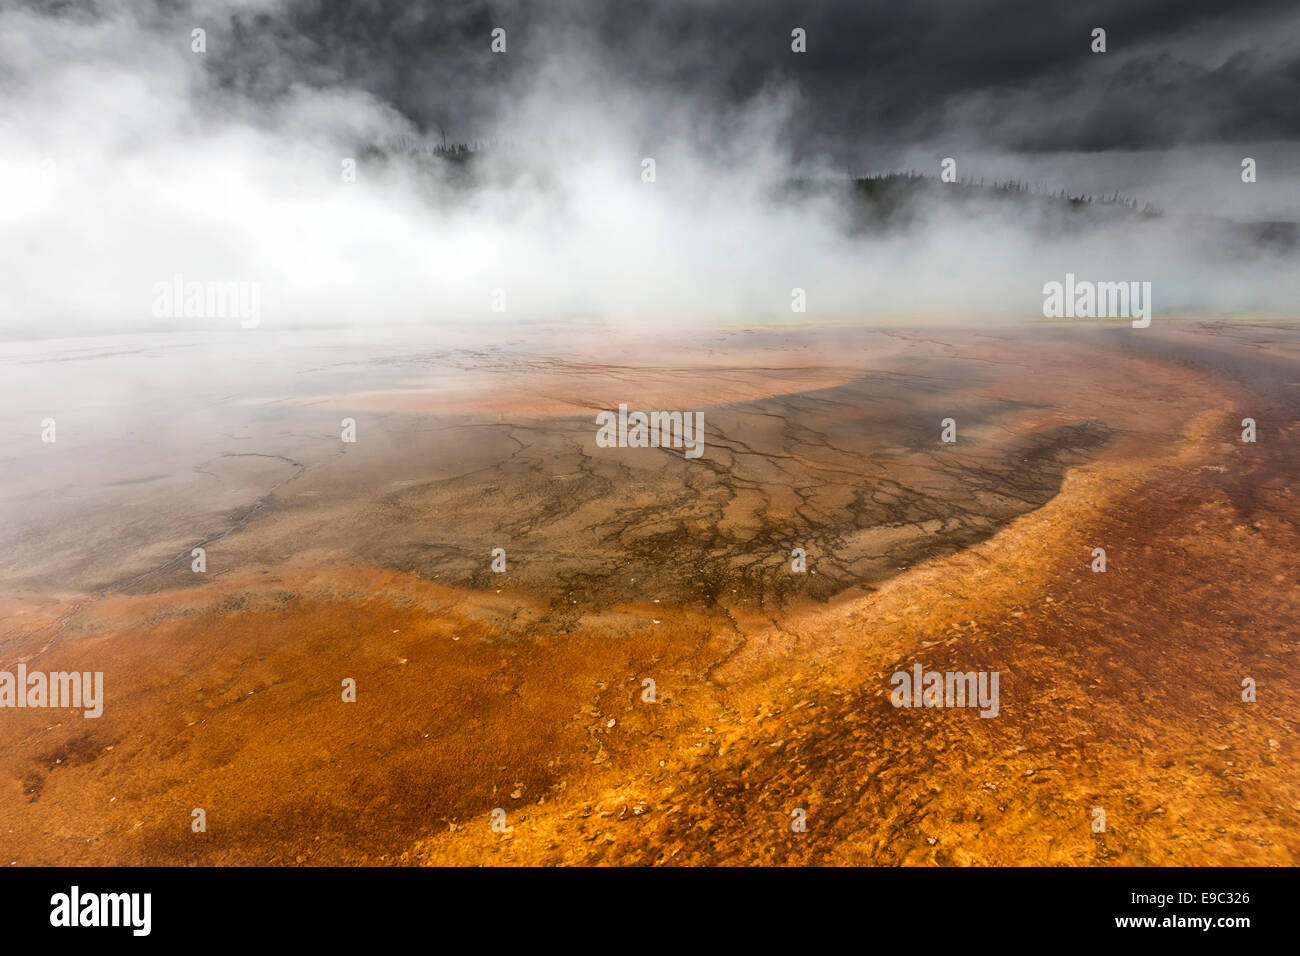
(127, 159)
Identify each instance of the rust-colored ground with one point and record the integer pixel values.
(523, 691)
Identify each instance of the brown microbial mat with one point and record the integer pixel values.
(682, 655)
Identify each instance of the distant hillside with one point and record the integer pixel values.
(899, 200)
(886, 202)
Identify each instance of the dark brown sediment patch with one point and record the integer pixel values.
(853, 472)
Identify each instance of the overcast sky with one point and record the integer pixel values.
(879, 81)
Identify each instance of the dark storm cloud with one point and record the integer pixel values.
(1012, 75)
